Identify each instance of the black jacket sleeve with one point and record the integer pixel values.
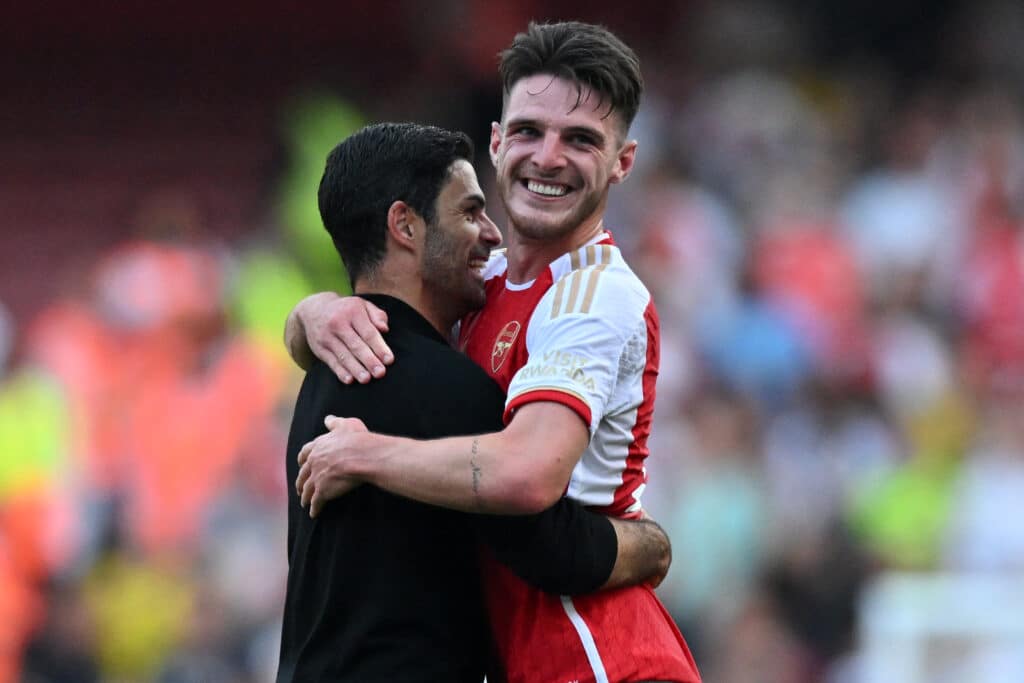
(566, 550)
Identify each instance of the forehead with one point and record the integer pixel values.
(462, 182)
(558, 102)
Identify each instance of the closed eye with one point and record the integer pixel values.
(473, 208)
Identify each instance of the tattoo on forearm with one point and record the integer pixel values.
(475, 468)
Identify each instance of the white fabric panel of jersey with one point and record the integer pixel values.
(497, 263)
(588, 338)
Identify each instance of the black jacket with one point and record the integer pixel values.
(382, 588)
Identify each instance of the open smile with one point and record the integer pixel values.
(546, 189)
(477, 265)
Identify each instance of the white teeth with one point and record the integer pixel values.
(549, 190)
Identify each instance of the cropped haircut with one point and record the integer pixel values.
(586, 54)
(372, 169)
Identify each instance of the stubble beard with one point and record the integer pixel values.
(550, 227)
(449, 278)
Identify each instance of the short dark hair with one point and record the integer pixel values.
(375, 167)
(586, 54)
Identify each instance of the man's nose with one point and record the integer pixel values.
(549, 154)
(489, 234)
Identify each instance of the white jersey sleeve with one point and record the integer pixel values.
(592, 344)
(581, 338)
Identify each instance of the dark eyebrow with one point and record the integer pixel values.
(474, 201)
(522, 122)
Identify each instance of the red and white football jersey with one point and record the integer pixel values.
(584, 334)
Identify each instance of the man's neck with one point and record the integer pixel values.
(528, 258)
(413, 295)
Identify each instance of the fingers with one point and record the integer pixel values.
(349, 424)
(315, 496)
(361, 359)
(370, 332)
(300, 481)
(304, 453)
(334, 354)
(346, 334)
(338, 424)
(321, 462)
(378, 317)
(332, 348)
(321, 495)
(356, 342)
(306, 489)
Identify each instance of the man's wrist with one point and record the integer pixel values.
(367, 460)
(295, 338)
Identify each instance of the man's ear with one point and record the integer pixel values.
(495, 142)
(404, 225)
(624, 162)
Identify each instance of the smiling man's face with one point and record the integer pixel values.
(459, 242)
(555, 159)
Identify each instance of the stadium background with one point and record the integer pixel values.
(827, 207)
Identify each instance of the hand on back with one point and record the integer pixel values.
(321, 464)
(345, 333)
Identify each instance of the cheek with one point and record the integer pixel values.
(503, 165)
(511, 157)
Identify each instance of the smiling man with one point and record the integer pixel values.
(384, 589)
(569, 332)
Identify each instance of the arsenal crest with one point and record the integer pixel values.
(502, 344)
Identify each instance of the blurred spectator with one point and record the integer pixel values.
(141, 610)
(913, 365)
(803, 267)
(755, 348)
(902, 516)
(900, 218)
(815, 585)
(64, 648)
(719, 507)
(689, 249)
(759, 647)
(988, 493)
(34, 516)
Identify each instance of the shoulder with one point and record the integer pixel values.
(427, 360)
(436, 381)
(497, 264)
(595, 282)
(322, 394)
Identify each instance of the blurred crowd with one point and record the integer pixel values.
(843, 361)
(837, 255)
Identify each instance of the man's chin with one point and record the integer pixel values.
(545, 229)
(474, 299)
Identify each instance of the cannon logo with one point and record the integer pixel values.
(502, 344)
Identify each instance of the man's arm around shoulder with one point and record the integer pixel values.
(343, 332)
(644, 553)
(570, 550)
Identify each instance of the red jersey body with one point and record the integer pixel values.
(584, 334)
